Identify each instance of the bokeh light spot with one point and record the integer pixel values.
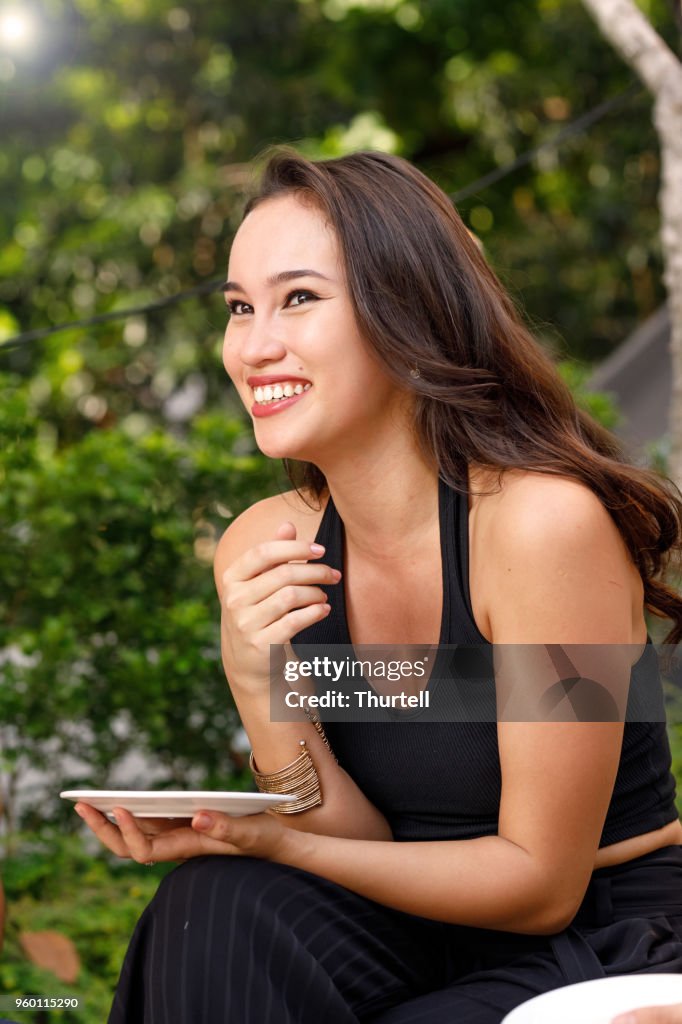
(17, 29)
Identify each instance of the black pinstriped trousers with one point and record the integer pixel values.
(235, 940)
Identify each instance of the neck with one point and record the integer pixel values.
(387, 501)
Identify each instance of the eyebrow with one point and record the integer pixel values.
(275, 279)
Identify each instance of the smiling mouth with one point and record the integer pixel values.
(269, 394)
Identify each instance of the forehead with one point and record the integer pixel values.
(280, 234)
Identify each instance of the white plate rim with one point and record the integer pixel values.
(619, 983)
(168, 794)
(175, 803)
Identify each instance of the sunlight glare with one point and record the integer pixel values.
(17, 29)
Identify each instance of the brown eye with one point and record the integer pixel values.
(297, 295)
(236, 307)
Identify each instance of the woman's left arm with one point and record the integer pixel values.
(561, 577)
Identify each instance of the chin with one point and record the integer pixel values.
(279, 443)
(278, 448)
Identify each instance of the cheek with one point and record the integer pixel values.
(230, 360)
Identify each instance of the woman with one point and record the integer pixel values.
(436, 872)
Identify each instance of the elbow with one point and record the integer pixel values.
(549, 917)
(547, 907)
(554, 920)
(552, 900)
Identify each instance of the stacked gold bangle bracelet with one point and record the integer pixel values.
(298, 778)
(314, 719)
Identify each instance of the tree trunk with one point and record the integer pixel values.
(629, 32)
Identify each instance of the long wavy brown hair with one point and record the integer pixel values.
(487, 391)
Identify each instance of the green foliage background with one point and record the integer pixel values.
(130, 129)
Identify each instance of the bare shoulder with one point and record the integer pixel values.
(556, 564)
(260, 521)
(530, 508)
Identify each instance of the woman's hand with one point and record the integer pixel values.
(269, 594)
(652, 1015)
(148, 840)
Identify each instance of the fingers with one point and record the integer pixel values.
(289, 625)
(652, 1015)
(256, 601)
(127, 839)
(269, 554)
(283, 601)
(251, 592)
(218, 826)
(107, 833)
(285, 531)
(256, 835)
(174, 844)
(270, 593)
(139, 845)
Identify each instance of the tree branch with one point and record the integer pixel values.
(637, 41)
(629, 32)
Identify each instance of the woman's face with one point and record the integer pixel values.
(292, 346)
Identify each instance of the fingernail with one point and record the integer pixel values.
(78, 811)
(317, 549)
(202, 821)
(336, 574)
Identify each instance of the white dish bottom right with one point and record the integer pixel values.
(598, 1002)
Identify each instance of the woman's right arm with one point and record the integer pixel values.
(265, 599)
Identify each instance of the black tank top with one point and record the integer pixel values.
(441, 780)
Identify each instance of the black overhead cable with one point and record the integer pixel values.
(580, 124)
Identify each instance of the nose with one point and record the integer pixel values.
(259, 343)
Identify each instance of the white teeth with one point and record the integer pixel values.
(276, 392)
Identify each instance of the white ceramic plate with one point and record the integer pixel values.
(598, 1002)
(171, 803)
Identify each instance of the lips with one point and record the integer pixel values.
(269, 406)
(261, 380)
(279, 392)
(275, 392)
